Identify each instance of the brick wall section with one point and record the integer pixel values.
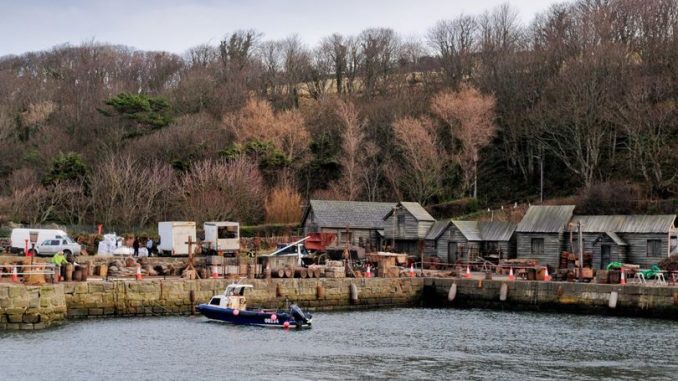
(31, 307)
(556, 296)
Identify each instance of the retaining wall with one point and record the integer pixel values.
(31, 307)
(171, 297)
(632, 300)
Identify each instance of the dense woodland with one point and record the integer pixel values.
(478, 107)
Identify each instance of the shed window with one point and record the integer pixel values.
(537, 247)
(654, 248)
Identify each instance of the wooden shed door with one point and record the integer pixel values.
(604, 256)
(452, 252)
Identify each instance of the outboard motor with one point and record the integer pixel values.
(299, 315)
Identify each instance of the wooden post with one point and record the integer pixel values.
(191, 298)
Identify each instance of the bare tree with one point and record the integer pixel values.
(130, 193)
(470, 115)
(453, 41)
(217, 191)
(421, 169)
(350, 185)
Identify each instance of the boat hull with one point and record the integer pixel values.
(278, 319)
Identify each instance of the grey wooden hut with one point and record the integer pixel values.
(456, 240)
(407, 224)
(498, 239)
(638, 239)
(356, 222)
(541, 233)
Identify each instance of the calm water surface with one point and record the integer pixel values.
(386, 344)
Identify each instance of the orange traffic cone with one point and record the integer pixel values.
(411, 270)
(547, 277)
(214, 275)
(468, 273)
(511, 276)
(139, 276)
(369, 272)
(623, 277)
(15, 275)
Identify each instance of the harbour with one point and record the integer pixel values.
(393, 343)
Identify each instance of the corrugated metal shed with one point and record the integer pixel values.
(496, 230)
(660, 223)
(355, 214)
(437, 229)
(545, 219)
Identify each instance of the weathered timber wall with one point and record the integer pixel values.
(632, 300)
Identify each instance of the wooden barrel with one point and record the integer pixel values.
(310, 272)
(289, 273)
(77, 275)
(69, 272)
(316, 272)
(278, 273)
(84, 271)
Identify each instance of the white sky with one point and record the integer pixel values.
(174, 25)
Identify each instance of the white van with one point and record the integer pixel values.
(48, 243)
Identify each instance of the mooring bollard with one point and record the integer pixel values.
(191, 298)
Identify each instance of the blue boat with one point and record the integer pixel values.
(231, 307)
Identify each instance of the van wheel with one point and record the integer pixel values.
(67, 252)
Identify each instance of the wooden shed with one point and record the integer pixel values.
(456, 240)
(540, 234)
(407, 224)
(356, 222)
(638, 239)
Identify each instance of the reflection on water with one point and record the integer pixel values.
(386, 344)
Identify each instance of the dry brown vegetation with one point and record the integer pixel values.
(482, 106)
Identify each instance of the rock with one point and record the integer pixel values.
(130, 262)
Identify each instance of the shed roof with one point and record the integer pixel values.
(415, 209)
(437, 229)
(354, 214)
(486, 230)
(660, 223)
(545, 219)
(469, 229)
(496, 230)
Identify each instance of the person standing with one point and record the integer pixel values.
(149, 246)
(135, 246)
(59, 260)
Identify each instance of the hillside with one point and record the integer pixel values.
(585, 96)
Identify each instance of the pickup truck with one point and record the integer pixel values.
(53, 246)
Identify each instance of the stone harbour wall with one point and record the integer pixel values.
(631, 300)
(37, 307)
(31, 307)
(171, 297)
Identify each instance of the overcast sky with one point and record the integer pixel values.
(174, 25)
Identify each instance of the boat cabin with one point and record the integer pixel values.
(233, 297)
